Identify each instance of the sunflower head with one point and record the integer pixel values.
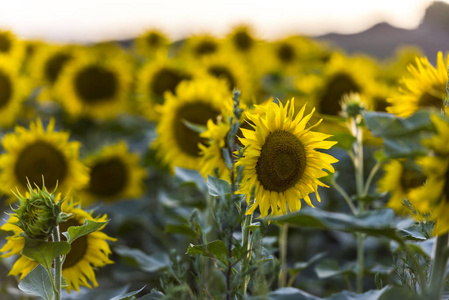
(39, 212)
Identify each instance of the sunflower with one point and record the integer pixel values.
(200, 46)
(150, 42)
(433, 197)
(96, 87)
(35, 153)
(87, 252)
(241, 40)
(154, 79)
(400, 177)
(280, 162)
(13, 91)
(114, 174)
(196, 102)
(11, 46)
(426, 88)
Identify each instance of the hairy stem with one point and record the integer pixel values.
(58, 266)
(436, 285)
(283, 236)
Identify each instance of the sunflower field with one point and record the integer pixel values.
(222, 168)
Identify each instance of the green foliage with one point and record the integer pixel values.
(218, 187)
(38, 283)
(148, 263)
(44, 252)
(75, 232)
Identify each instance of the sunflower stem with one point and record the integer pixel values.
(435, 288)
(58, 266)
(246, 245)
(283, 236)
(345, 196)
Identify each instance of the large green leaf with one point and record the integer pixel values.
(330, 268)
(218, 187)
(180, 228)
(37, 283)
(75, 232)
(191, 177)
(377, 222)
(128, 296)
(44, 252)
(213, 249)
(149, 263)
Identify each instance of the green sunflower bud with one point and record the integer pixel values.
(352, 105)
(39, 213)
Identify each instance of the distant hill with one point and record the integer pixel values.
(381, 40)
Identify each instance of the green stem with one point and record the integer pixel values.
(370, 178)
(246, 245)
(360, 262)
(58, 266)
(345, 196)
(283, 236)
(436, 285)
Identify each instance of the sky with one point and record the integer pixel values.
(99, 20)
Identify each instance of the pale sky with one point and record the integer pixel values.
(96, 20)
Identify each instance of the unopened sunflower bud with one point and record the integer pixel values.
(352, 105)
(38, 213)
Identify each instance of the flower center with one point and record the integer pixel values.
(430, 100)
(380, 104)
(243, 41)
(5, 43)
(95, 84)
(6, 89)
(166, 79)
(282, 161)
(54, 66)
(78, 247)
(411, 179)
(41, 158)
(153, 40)
(286, 53)
(223, 72)
(108, 178)
(205, 47)
(197, 113)
(339, 85)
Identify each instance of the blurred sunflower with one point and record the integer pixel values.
(426, 88)
(95, 87)
(400, 177)
(13, 91)
(241, 40)
(200, 46)
(433, 197)
(36, 152)
(150, 42)
(281, 162)
(11, 46)
(114, 174)
(154, 79)
(196, 102)
(86, 254)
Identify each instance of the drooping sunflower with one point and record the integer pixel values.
(114, 174)
(87, 252)
(36, 152)
(426, 88)
(433, 197)
(11, 46)
(96, 87)
(400, 177)
(196, 102)
(150, 42)
(281, 162)
(154, 79)
(13, 91)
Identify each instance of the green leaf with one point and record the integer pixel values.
(218, 187)
(344, 139)
(300, 266)
(154, 295)
(215, 249)
(191, 177)
(44, 252)
(180, 228)
(288, 293)
(75, 232)
(330, 268)
(369, 295)
(37, 283)
(376, 222)
(149, 263)
(400, 292)
(128, 296)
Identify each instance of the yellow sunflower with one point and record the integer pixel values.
(114, 174)
(11, 46)
(87, 252)
(399, 178)
(241, 40)
(13, 91)
(196, 102)
(154, 79)
(426, 88)
(281, 162)
(433, 197)
(96, 87)
(200, 46)
(36, 152)
(150, 42)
